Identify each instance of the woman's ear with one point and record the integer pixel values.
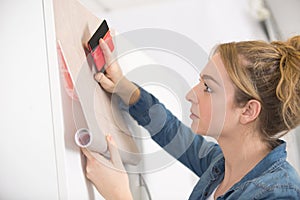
(250, 111)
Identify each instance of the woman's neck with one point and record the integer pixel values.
(242, 154)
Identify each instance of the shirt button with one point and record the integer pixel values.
(205, 194)
(217, 170)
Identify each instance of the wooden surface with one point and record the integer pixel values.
(74, 26)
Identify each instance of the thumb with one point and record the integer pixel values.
(114, 153)
(105, 82)
(106, 51)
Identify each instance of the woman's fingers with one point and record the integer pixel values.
(95, 157)
(106, 51)
(105, 82)
(87, 153)
(114, 154)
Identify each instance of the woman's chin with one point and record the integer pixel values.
(204, 132)
(197, 129)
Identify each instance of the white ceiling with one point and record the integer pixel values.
(109, 5)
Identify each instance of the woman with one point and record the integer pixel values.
(248, 97)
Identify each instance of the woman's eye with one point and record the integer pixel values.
(207, 88)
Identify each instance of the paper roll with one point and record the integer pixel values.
(83, 137)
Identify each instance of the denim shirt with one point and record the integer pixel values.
(272, 178)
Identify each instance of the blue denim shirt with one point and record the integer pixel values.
(272, 178)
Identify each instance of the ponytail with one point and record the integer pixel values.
(288, 88)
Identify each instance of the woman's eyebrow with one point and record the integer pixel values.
(206, 76)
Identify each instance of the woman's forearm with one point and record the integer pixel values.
(127, 91)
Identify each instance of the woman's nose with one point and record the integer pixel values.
(191, 96)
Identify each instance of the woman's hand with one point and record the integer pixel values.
(113, 73)
(108, 176)
(113, 81)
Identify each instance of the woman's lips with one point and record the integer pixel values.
(193, 115)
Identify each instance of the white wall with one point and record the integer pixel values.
(27, 152)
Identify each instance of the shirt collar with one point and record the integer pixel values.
(270, 162)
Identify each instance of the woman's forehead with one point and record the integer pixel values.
(215, 67)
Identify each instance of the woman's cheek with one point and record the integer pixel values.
(218, 115)
(204, 121)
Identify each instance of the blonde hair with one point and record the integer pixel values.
(269, 73)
